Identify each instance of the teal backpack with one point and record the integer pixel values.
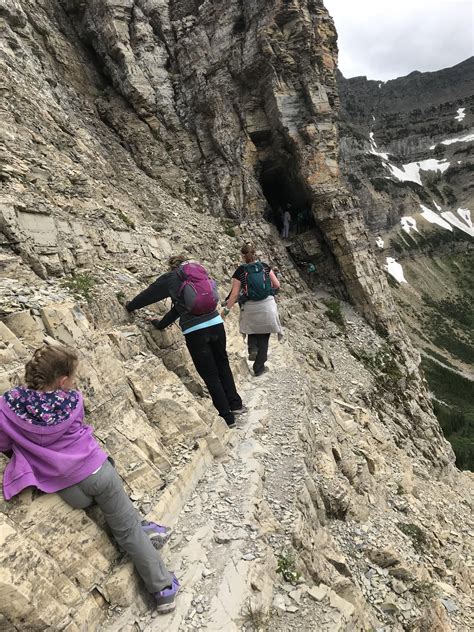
(257, 284)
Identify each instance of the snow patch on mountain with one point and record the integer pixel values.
(447, 219)
(462, 139)
(411, 171)
(461, 113)
(434, 218)
(465, 213)
(455, 221)
(373, 148)
(395, 270)
(408, 224)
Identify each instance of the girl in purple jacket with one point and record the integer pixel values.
(50, 447)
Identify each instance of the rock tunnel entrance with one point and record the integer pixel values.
(306, 243)
(283, 193)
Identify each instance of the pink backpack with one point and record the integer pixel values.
(197, 291)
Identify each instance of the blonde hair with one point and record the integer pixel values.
(176, 260)
(49, 363)
(249, 252)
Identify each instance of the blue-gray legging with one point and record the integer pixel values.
(106, 489)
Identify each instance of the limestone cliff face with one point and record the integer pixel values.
(134, 129)
(217, 82)
(219, 102)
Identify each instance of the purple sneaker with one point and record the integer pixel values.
(166, 598)
(158, 534)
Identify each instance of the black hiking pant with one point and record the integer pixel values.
(258, 343)
(208, 351)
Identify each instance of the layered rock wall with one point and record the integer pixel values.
(237, 95)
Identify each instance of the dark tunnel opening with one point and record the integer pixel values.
(283, 193)
(305, 243)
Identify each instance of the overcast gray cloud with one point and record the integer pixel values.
(384, 39)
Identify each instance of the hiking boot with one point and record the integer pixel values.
(240, 411)
(253, 355)
(261, 371)
(158, 534)
(166, 598)
(229, 419)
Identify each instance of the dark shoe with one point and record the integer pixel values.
(260, 371)
(230, 420)
(253, 355)
(158, 534)
(240, 411)
(166, 598)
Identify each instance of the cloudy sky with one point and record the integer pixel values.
(384, 39)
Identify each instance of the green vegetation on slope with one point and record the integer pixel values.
(437, 307)
(454, 408)
(334, 313)
(81, 284)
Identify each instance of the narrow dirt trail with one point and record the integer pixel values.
(241, 516)
(221, 538)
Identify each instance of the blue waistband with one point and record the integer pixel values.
(217, 320)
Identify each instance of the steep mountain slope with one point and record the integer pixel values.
(421, 117)
(407, 151)
(135, 128)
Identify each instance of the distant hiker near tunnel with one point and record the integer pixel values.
(286, 222)
(195, 299)
(254, 285)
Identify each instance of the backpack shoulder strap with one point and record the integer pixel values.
(180, 272)
(183, 281)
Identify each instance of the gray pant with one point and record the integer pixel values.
(106, 489)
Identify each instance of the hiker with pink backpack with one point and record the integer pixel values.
(195, 299)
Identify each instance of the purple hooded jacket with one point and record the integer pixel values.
(49, 451)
